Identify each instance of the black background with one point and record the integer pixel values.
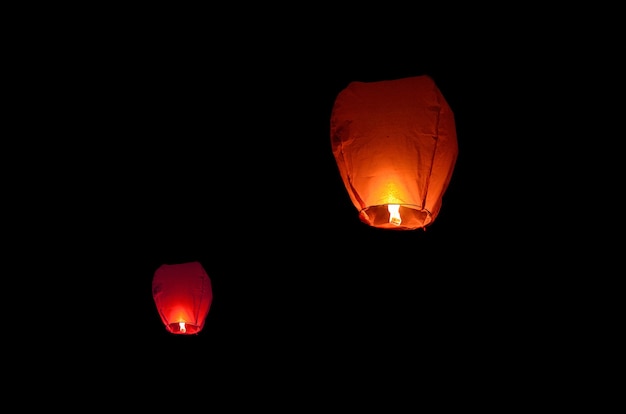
(167, 142)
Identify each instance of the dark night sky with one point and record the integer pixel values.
(189, 150)
(155, 136)
(234, 169)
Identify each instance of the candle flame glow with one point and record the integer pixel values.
(394, 214)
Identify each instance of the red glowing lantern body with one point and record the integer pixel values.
(395, 144)
(183, 295)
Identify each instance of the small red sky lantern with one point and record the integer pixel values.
(183, 295)
(395, 144)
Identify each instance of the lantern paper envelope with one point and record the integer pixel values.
(395, 145)
(183, 295)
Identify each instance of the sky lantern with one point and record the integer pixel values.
(395, 144)
(183, 295)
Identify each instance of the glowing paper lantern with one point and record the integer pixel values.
(183, 295)
(395, 144)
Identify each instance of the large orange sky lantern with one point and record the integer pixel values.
(183, 295)
(395, 144)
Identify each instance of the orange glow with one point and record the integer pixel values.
(395, 143)
(394, 214)
(183, 295)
